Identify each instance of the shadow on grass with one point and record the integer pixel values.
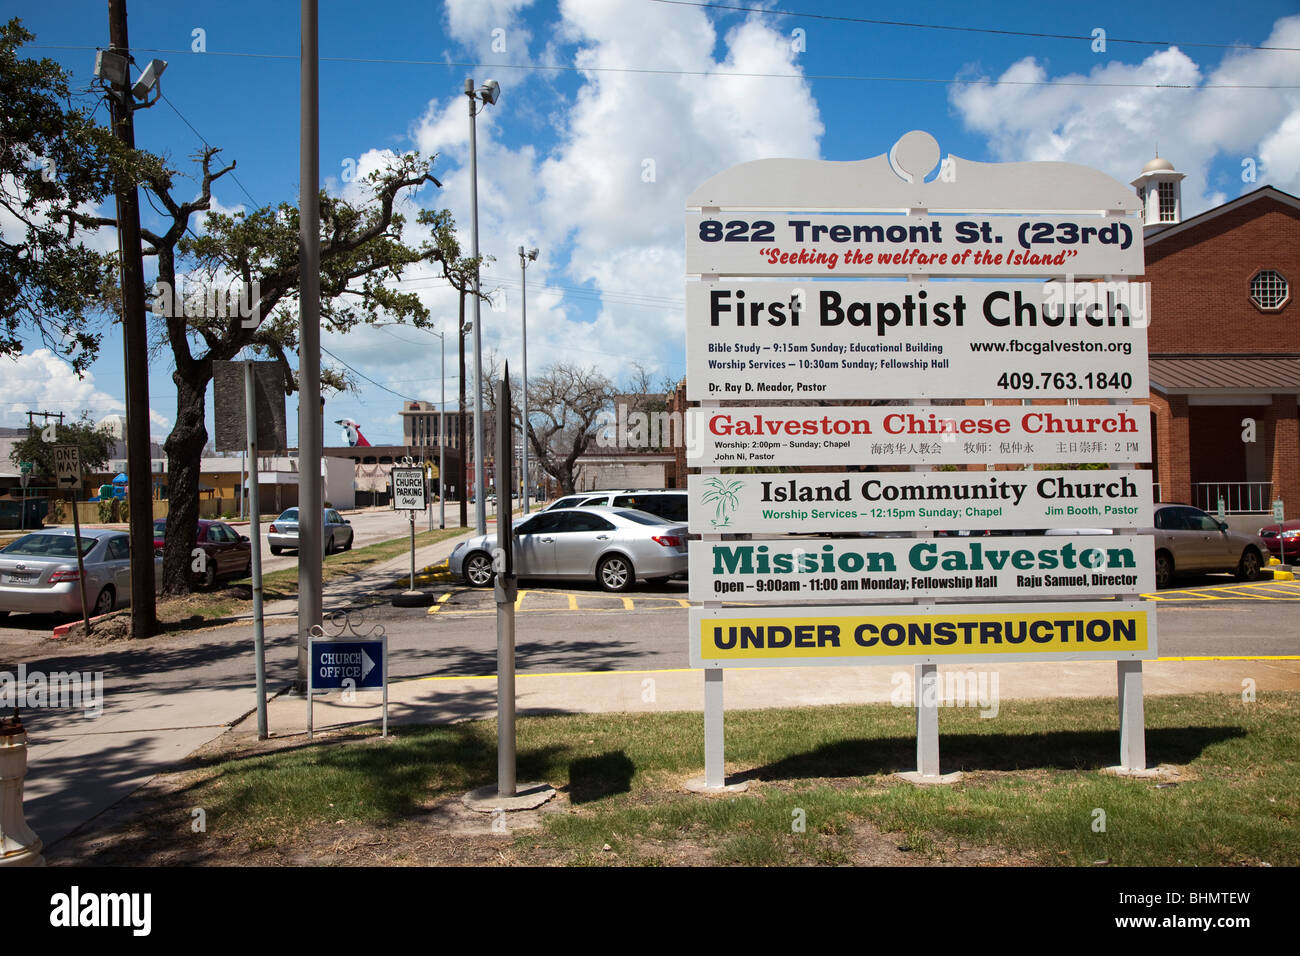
(1055, 750)
(594, 778)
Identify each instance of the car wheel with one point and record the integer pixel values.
(275, 549)
(615, 573)
(329, 545)
(104, 603)
(1164, 569)
(348, 546)
(210, 575)
(478, 569)
(1248, 569)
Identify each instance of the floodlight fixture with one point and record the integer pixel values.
(111, 67)
(149, 79)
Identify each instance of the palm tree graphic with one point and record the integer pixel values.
(724, 493)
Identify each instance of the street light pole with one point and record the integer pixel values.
(523, 298)
(488, 94)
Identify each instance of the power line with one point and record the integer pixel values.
(204, 141)
(407, 398)
(707, 74)
(988, 30)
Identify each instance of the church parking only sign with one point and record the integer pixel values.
(408, 489)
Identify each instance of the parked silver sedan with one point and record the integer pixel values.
(1188, 540)
(615, 545)
(282, 534)
(39, 575)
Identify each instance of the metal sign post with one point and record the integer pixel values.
(67, 468)
(507, 589)
(24, 478)
(409, 496)
(255, 538)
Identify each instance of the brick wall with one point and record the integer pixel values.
(1200, 283)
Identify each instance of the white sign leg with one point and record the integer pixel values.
(715, 751)
(1132, 722)
(926, 690)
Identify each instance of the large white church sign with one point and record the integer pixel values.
(1054, 318)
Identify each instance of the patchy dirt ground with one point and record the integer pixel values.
(157, 826)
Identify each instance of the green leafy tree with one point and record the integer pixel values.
(235, 287)
(55, 161)
(95, 443)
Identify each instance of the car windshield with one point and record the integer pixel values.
(160, 529)
(290, 515)
(642, 517)
(48, 546)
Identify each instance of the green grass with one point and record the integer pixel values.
(1033, 784)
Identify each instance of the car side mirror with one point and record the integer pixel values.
(1223, 526)
(243, 537)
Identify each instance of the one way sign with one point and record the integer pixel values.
(67, 466)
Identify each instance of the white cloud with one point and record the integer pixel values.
(491, 28)
(1117, 129)
(606, 204)
(40, 381)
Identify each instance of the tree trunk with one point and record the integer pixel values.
(460, 419)
(184, 447)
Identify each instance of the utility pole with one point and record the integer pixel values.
(136, 349)
(310, 440)
(463, 478)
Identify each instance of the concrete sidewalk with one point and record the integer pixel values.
(443, 700)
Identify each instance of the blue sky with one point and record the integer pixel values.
(613, 110)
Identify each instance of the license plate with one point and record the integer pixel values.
(20, 578)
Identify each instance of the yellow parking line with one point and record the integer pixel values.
(437, 606)
(573, 601)
(519, 599)
(627, 604)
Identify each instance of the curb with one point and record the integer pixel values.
(62, 629)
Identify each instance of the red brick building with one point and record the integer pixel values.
(1224, 340)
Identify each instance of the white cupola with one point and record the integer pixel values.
(1161, 191)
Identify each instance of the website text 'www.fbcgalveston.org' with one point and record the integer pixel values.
(1046, 348)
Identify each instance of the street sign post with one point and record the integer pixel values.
(348, 665)
(67, 471)
(408, 496)
(507, 590)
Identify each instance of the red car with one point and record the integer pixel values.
(1276, 535)
(225, 552)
